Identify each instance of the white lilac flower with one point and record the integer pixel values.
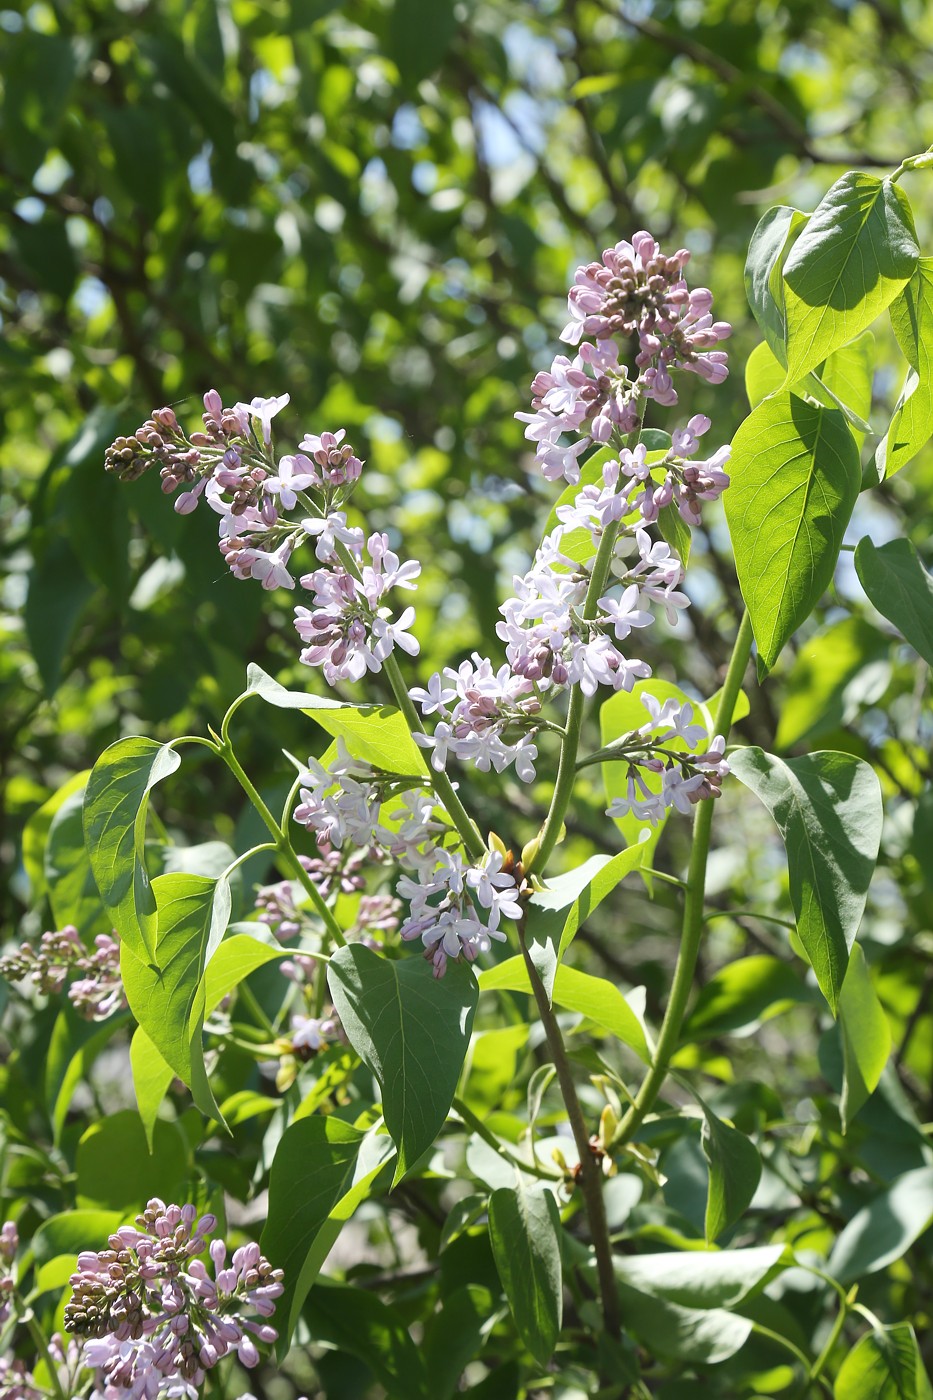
(481, 708)
(349, 632)
(264, 410)
(444, 916)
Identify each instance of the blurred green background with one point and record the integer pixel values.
(377, 208)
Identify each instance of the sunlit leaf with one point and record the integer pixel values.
(795, 478)
(828, 809)
(412, 1031)
(854, 256)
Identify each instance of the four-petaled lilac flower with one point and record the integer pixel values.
(265, 410)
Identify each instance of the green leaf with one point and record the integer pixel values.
(60, 1239)
(491, 1066)
(412, 1030)
(73, 1047)
(675, 530)
(151, 1079)
(834, 673)
(857, 252)
(594, 997)
(238, 956)
(524, 1231)
(58, 593)
(454, 1337)
(537, 1087)
(884, 1229)
(764, 286)
(900, 588)
(557, 912)
(376, 734)
(320, 1173)
(115, 1167)
(36, 833)
(667, 1329)
(359, 1324)
(741, 996)
(828, 809)
(734, 1173)
(795, 478)
(848, 377)
(764, 374)
(697, 1278)
(167, 999)
(866, 1037)
(115, 807)
(420, 33)
(885, 1364)
(912, 422)
(845, 381)
(68, 876)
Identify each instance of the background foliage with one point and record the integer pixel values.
(375, 208)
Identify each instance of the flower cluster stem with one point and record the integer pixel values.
(693, 920)
(466, 827)
(591, 1182)
(282, 845)
(549, 834)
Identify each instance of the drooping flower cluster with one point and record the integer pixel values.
(154, 1317)
(350, 801)
(95, 995)
(445, 917)
(348, 631)
(685, 780)
(231, 464)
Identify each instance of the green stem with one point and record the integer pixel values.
(549, 834)
(466, 827)
(567, 764)
(591, 1181)
(784, 1342)
(693, 922)
(249, 999)
(479, 1127)
(41, 1345)
(282, 844)
(747, 913)
(819, 1365)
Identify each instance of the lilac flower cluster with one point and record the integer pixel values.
(596, 582)
(154, 1318)
(557, 629)
(684, 782)
(455, 906)
(444, 912)
(96, 995)
(231, 464)
(18, 1383)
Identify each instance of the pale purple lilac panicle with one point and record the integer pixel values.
(156, 1318)
(97, 994)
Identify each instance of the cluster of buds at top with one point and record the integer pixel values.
(154, 1317)
(96, 995)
